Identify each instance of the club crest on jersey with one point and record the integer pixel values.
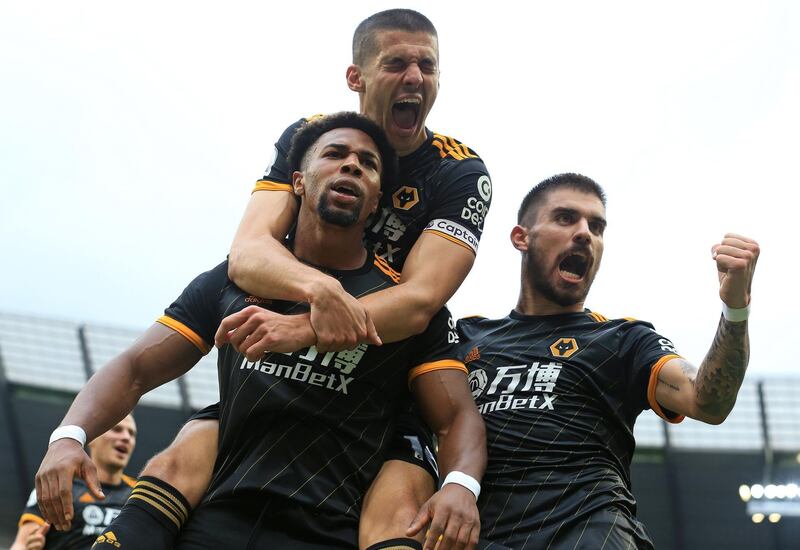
(477, 382)
(405, 198)
(564, 347)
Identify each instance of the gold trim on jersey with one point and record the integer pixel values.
(449, 238)
(384, 266)
(651, 390)
(267, 185)
(167, 513)
(450, 147)
(442, 364)
(186, 332)
(597, 317)
(27, 517)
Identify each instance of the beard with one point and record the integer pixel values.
(337, 216)
(537, 276)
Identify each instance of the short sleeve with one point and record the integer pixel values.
(436, 348)
(31, 512)
(276, 176)
(196, 313)
(462, 203)
(645, 352)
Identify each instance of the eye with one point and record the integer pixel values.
(427, 66)
(332, 153)
(597, 228)
(370, 163)
(564, 218)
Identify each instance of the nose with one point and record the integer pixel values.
(582, 232)
(413, 76)
(351, 165)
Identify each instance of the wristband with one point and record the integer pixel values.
(735, 315)
(68, 432)
(464, 480)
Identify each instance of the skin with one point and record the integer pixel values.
(571, 220)
(161, 355)
(110, 454)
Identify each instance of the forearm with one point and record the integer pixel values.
(264, 267)
(402, 311)
(462, 446)
(722, 371)
(159, 356)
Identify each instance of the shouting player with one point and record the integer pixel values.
(559, 387)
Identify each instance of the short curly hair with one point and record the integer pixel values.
(308, 134)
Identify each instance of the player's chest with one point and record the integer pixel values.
(544, 378)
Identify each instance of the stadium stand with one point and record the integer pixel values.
(687, 478)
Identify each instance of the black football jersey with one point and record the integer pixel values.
(91, 516)
(443, 187)
(307, 427)
(560, 395)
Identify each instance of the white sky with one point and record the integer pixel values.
(131, 135)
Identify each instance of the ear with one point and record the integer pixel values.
(298, 183)
(354, 80)
(519, 238)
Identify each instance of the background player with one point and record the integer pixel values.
(317, 441)
(560, 387)
(93, 505)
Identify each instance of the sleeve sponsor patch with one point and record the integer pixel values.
(454, 232)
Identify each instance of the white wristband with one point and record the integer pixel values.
(464, 480)
(735, 315)
(69, 432)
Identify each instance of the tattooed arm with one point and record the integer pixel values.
(709, 393)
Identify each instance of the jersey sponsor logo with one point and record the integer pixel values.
(314, 368)
(564, 347)
(455, 231)
(477, 382)
(475, 212)
(537, 381)
(452, 334)
(392, 228)
(485, 187)
(405, 198)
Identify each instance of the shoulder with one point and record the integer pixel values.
(128, 480)
(452, 150)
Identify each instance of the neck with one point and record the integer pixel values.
(327, 245)
(533, 302)
(109, 476)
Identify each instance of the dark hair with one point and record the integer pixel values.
(365, 44)
(308, 134)
(569, 180)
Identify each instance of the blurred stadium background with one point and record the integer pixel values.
(731, 486)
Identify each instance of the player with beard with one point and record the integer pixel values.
(95, 504)
(302, 433)
(559, 387)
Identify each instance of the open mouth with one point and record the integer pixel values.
(405, 113)
(574, 267)
(121, 449)
(345, 189)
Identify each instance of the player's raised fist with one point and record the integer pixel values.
(736, 258)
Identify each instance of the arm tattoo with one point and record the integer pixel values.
(722, 371)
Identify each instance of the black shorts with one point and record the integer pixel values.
(412, 442)
(265, 523)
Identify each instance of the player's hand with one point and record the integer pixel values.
(453, 516)
(255, 330)
(338, 319)
(36, 539)
(64, 461)
(736, 258)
